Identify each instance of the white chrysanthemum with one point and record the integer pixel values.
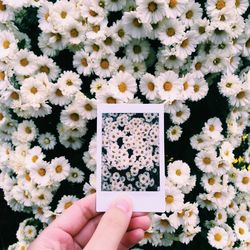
(47, 141)
(229, 85)
(74, 33)
(75, 175)
(137, 50)
(200, 89)
(241, 230)
(16, 5)
(6, 13)
(168, 86)
(178, 172)
(151, 11)
(202, 29)
(162, 223)
(83, 62)
(175, 8)
(180, 115)
(206, 160)
(65, 202)
(220, 216)
(174, 133)
(170, 32)
(34, 155)
(42, 196)
(134, 26)
(218, 237)
(124, 84)
(69, 82)
(242, 97)
(226, 152)
(8, 44)
(147, 86)
(213, 128)
(214, 7)
(48, 66)
(98, 85)
(243, 181)
(59, 168)
(174, 199)
(40, 173)
(72, 117)
(25, 62)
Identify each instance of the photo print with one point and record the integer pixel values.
(131, 155)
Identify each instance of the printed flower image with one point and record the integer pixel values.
(130, 152)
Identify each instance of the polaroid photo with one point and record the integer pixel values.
(130, 155)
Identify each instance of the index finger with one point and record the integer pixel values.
(77, 216)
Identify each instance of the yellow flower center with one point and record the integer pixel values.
(245, 180)
(58, 169)
(237, 3)
(185, 85)
(137, 23)
(169, 199)
(178, 172)
(152, 6)
(220, 4)
(122, 87)
(164, 223)
(248, 43)
(217, 237)
(58, 93)
(74, 33)
(92, 13)
(41, 171)
(75, 117)
(121, 33)
(241, 231)
(68, 204)
(2, 6)
(34, 158)
(206, 160)
(63, 14)
(88, 107)
(33, 90)
(151, 86)
(219, 216)
(241, 95)
(172, 4)
(217, 195)
(2, 75)
(111, 100)
(28, 130)
(96, 28)
(104, 64)
(44, 69)
(24, 62)
(189, 14)
(167, 86)
(198, 65)
(170, 31)
(185, 43)
(196, 88)
(211, 181)
(211, 128)
(6, 44)
(243, 218)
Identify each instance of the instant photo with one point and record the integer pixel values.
(131, 155)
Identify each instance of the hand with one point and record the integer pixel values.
(80, 226)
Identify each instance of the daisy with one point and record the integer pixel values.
(148, 87)
(74, 33)
(40, 173)
(44, 17)
(75, 175)
(162, 223)
(206, 160)
(72, 117)
(174, 133)
(229, 85)
(124, 84)
(30, 232)
(8, 44)
(214, 7)
(242, 97)
(47, 141)
(98, 85)
(175, 8)
(121, 35)
(202, 29)
(138, 69)
(88, 106)
(59, 168)
(69, 82)
(105, 65)
(168, 86)
(137, 50)
(200, 89)
(219, 32)
(178, 172)
(218, 237)
(174, 199)
(241, 230)
(134, 26)
(65, 202)
(48, 66)
(209, 181)
(169, 60)
(25, 63)
(193, 12)
(213, 127)
(6, 12)
(42, 196)
(187, 45)
(57, 95)
(243, 181)
(33, 92)
(181, 115)
(27, 131)
(151, 11)
(69, 141)
(170, 32)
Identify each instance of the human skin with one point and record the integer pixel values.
(81, 227)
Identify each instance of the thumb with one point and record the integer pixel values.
(112, 226)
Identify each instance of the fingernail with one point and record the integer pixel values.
(124, 205)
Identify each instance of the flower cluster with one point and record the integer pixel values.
(130, 152)
(59, 59)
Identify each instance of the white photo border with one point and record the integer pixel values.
(143, 201)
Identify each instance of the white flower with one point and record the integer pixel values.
(82, 62)
(59, 168)
(229, 85)
(174, 199)
(147, 86)
(75, 175)
(40, 173)
(8, 44)
(218, 237)
(178, 172)
(241, 231)
(243, 181)
(47, 141)
(175, 8)
(65, 202)
(174, 133)
(206, 160)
